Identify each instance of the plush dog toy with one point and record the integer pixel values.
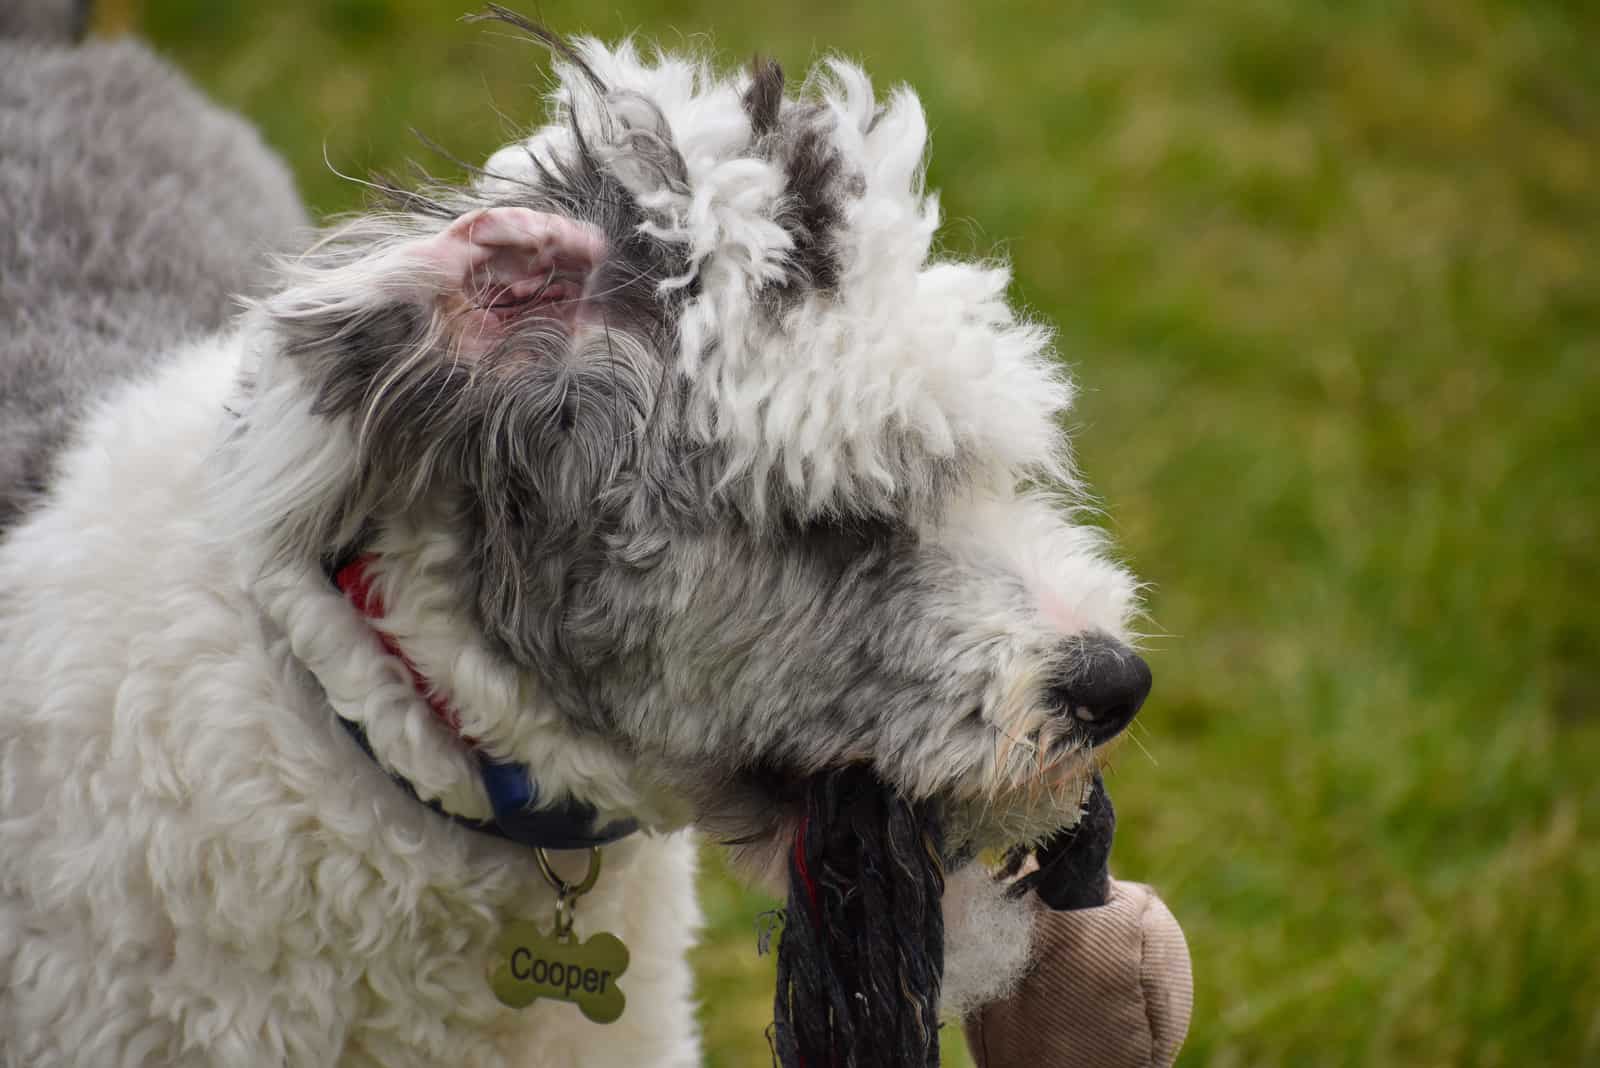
(1110, 985)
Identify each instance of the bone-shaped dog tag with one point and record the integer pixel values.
(530, 965)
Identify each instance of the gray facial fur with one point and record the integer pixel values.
(730, 648)
(118, 240)
(730, 651)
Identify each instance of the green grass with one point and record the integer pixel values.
(1330, 274)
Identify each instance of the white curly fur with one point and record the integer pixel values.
(199, 868)
(909, 344)
(196, 865)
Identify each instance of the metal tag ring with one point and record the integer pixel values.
(564, 890)
(563, 924)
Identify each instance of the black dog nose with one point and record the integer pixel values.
(1108, 684)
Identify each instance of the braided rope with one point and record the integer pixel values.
(862, 955)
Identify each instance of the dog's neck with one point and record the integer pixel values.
(286, 490)
(521, 813)
(368, 667)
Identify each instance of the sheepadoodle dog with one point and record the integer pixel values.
(607, 496)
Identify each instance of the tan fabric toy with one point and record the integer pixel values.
(1110, 986)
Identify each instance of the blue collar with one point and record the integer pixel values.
(514, 796)
(513, 793)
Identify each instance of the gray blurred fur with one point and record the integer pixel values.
(43, 20)
(118, 239)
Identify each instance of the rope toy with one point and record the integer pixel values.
(861, 960)
(862, 954)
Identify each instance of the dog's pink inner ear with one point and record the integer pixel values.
(508, 263)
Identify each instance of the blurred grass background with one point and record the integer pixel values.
(1330, 276)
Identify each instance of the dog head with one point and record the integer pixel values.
(686, 415)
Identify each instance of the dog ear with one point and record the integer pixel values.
(497, 267)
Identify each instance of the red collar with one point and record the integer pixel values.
(513, 794)
(355, 582)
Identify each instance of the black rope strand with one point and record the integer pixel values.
(862, 954)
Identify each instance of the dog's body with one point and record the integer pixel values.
(198, 866)
(643, 507)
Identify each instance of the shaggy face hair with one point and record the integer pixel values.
(714, 451)
(725, 465)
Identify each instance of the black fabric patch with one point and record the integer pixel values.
(1075, 865)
